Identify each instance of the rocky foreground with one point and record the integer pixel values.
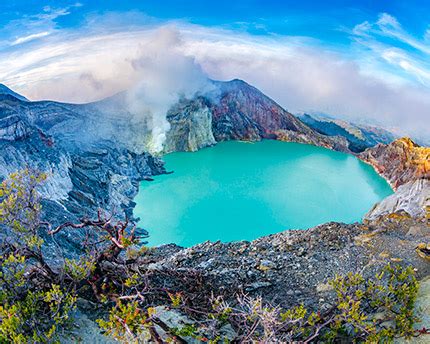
(293, 267)
(285, 269)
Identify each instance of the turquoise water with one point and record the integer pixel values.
(241, 191)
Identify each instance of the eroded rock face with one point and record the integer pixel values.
(412, 197)
(13, 128)
(191, 126)
(86, 169)
(399, 162)
(243, 113)
(34, 152)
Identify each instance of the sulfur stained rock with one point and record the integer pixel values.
(423, 250)
(399, 162)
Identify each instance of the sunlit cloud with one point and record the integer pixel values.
(409, 54)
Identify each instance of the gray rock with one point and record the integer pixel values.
(258, 285)
(412, 198)
(13, 128)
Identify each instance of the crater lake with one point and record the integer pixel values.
(241, 191)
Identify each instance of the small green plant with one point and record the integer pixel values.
(376, 309)
(176, 299)
(127, 322)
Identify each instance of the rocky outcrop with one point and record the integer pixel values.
(241, 112)
(191, 126)
(13, 128)
(399, 162)
(412, 198)
(108, 177)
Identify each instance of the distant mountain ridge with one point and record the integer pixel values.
(360, 137)
(236, 110)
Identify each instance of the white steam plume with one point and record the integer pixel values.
(165, 76)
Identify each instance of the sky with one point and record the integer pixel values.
(365, 61)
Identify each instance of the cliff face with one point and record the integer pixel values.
(237, 111)
(399, 162)
(412, 197)
(191, 126)
(85, 170)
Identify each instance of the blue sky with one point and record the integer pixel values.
(355, 59)
(320, 19)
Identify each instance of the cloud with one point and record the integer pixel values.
(51, 13)
(389, 26)
(88, 77)
(372, 80)
(29, 38)
(402, 51)
(30, 27)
